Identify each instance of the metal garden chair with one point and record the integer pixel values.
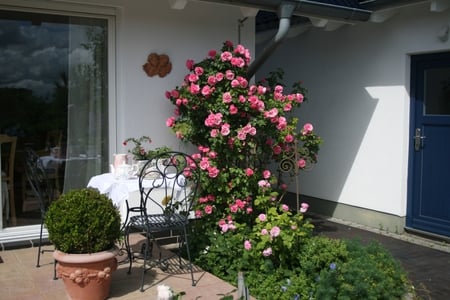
(168, 185)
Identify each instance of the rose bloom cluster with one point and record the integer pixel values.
(239, 129)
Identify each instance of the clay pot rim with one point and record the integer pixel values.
(85, 257)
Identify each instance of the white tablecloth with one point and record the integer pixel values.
(119, 190)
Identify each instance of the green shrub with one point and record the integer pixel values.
(369, 272)
(83, 221)
(325, 269)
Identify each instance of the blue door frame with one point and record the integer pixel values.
(429, 160)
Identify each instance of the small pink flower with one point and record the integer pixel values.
(170, 122)
(289, 138)
(212, 80)
(304, 207)
(226, 56)
(212, 53)
(234, 208)
(284, 207)
(264, 231)
(226, 97)
(213, 172)
(229, 75)
(275, 231)
(189, 64)
(199, 71)
(214, 132)
(194, 89)
(193, 77)
(207, 90)
(225, 129)
(267, 252)
(233, 109)
(208, 209)
(249, 172)
(247, 245)
(262, 217)
(266, 174)
(307, 128)
(263, 183)
(219, 76)
(301, 163)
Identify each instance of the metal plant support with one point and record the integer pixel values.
(289, 166)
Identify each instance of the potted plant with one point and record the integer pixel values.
(84, 225)
(138, 150)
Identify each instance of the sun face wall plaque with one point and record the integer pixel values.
(157, 64)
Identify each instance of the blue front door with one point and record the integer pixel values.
(429, 163)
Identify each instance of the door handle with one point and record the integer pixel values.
(418, 139)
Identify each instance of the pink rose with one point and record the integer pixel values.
(226, 97)
(289, 138)
(307, 128)
(285, 207)
(213, 172)
(189, 64)
(304, 207)
(301, 163)
(267, 252)
(247, 245)
(212, 53)
(275, 231)
(170, 122)
(249, 172)
(262, 217)
(208, 209)
(233, 109)
(266, 174)
(198, 71)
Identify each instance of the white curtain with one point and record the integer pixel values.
(87, 129)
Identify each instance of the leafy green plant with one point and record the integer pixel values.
(83, 221)
(369, 272)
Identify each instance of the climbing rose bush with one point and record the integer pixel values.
(241, 131)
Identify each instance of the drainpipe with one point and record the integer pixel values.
(285, 11)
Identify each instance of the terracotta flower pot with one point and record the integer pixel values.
(86, 276)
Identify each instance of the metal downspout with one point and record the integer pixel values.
(285, 11)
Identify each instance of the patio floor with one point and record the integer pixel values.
(426, 261)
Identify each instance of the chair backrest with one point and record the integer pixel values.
(37, 177)
(8, 163)
(168, 184)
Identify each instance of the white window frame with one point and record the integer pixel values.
(28, 234)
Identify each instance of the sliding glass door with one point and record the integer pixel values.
(54, 99)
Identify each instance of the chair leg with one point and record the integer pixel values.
(40, 245)
(186, 243)
(54, 270)
(128, 249)
(145, 254)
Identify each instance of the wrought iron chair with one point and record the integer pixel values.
(42, 189)
(168, 185)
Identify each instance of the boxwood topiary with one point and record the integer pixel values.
(83, 221)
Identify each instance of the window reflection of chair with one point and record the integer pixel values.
(168, 186)
(8, 144)
(42, 189)
(53, 143)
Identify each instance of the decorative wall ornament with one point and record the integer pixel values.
(157, 64)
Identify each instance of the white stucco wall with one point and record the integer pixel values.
(358, 80)
(152, 26)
